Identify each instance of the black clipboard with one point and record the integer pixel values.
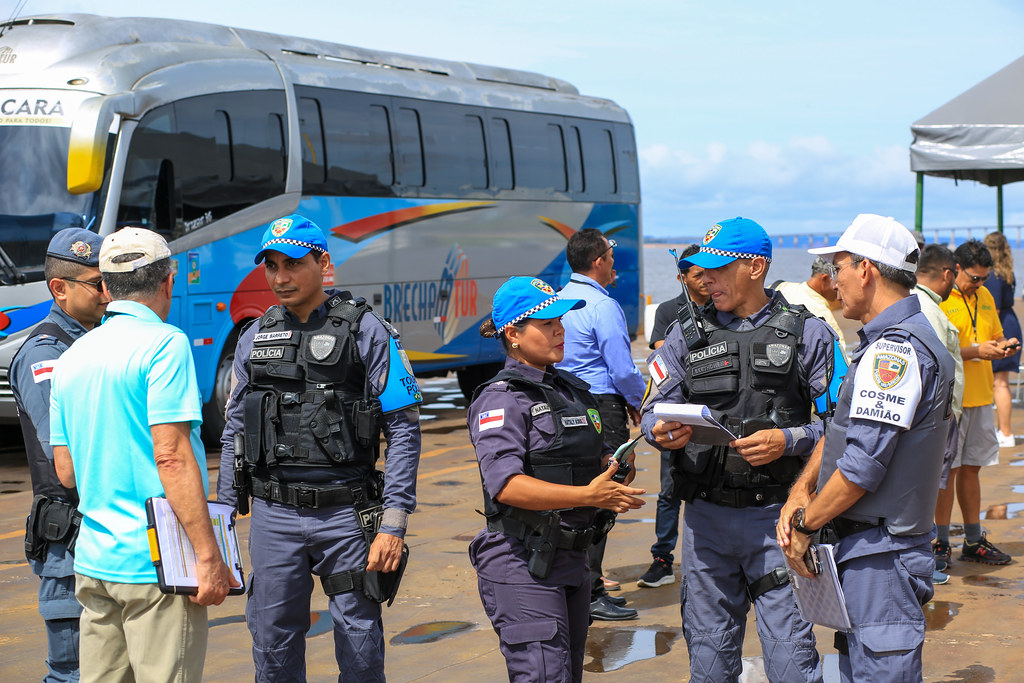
(173, 555)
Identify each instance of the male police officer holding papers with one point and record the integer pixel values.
(72, 274)
(764, 363)
(317, 380)
(877, 477)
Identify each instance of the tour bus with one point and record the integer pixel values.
(433, 180)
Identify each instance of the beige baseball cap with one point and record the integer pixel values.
(149, 244)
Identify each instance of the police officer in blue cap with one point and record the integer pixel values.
(537, 434)
(758, 366)
(72, 274)
(318, 378)
(877, 475)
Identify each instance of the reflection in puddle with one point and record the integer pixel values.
(465, 537)
(319, 622)
(1005, 511)
(1017, 489)
(938, 614)
(611, 649)
(6, 491)
(975, 673)
(634, 520)
(1017, 463)
(430, 632)
(447, 482)
(753, 669)
(991, 582)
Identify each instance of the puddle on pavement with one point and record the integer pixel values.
(221, 621)
(938, 614)
(975, 673)
(610, 649)
(1017, 463)
(634, 520)
(432, 505)
(1004, 511)
(319, 622)
(753, 669)
(447, 482)
(465, 537)
(12, 481)
(430, 632)
(6, 491)
(1016, 489)
(991, 582)
(14, 562)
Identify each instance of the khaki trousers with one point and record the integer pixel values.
(134, 633)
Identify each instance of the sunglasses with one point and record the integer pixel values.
(98, 284)
(976, 278)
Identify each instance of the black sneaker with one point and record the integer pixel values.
(984, 552)
(660, 574)
(943, 555)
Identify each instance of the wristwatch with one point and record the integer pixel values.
(797, 522)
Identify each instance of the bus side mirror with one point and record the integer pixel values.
(88, 146)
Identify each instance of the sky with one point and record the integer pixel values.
(796, 113)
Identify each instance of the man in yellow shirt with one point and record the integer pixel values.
(972, 310)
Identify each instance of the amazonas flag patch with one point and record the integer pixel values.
(43, 370)
(491, 419)
(659, 373)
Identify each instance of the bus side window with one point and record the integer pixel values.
(539, 153)
(501, 155)
(410, 148)
(598, 161)
(311, 139)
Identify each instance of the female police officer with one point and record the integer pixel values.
(537, 435)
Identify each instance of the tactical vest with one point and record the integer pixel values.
(309, 403)
(905, 500)
(750, 380)
(41, 470)
(573, 457)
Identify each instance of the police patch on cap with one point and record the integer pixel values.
(542, 286)
(280, 226)
(77, 245)
(710, 234)
(321, 345)
(81, 249)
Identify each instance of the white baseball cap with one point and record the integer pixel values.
(877, 238)
(149, 244)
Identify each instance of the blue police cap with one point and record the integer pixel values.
(77, 245)
(528, 297)
(294, 236)
(730, 240)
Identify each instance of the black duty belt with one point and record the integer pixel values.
(305, 495)
(744, 498)
(847, 527)
(568, 539)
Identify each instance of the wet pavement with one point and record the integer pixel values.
(437, 631)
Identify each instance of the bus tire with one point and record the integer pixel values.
(473, 376)
(214, 409)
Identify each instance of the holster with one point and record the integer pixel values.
(242, 482)
(542, 547)
(50, 521)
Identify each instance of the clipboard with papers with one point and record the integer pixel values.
(821, 600)
(706, 429)
(172, 552)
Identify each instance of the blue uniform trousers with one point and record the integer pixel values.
(723, 551)
(60, 610)
(287, 545)
(542, 628)
(666, 520)
(884, 595)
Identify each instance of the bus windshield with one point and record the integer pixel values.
(35, 202)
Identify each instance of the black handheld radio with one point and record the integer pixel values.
(686, 315)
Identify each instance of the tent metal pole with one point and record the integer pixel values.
(919, 203)
(999, 205)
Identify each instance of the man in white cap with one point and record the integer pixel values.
(140, 370)
(876, 472)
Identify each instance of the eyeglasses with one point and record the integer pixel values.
(833, 270)
(976, 278)
(98, 284)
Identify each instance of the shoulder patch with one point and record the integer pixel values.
(491, 419)
(658, 370)
(539, 409)
(887, 385)
(43, 370)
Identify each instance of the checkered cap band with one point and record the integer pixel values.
(732, 254)
(285, 240)
(526, 314)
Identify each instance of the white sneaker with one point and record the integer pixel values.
(1005, 440)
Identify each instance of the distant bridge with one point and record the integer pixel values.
(948, 236)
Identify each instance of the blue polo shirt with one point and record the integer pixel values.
(130, 373)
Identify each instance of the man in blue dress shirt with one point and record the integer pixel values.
(597, 351)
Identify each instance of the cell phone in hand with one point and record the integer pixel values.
(811, 560)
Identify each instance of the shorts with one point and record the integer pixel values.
(978, 445)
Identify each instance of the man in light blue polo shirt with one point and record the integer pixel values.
(597, 351)
(144, 442)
